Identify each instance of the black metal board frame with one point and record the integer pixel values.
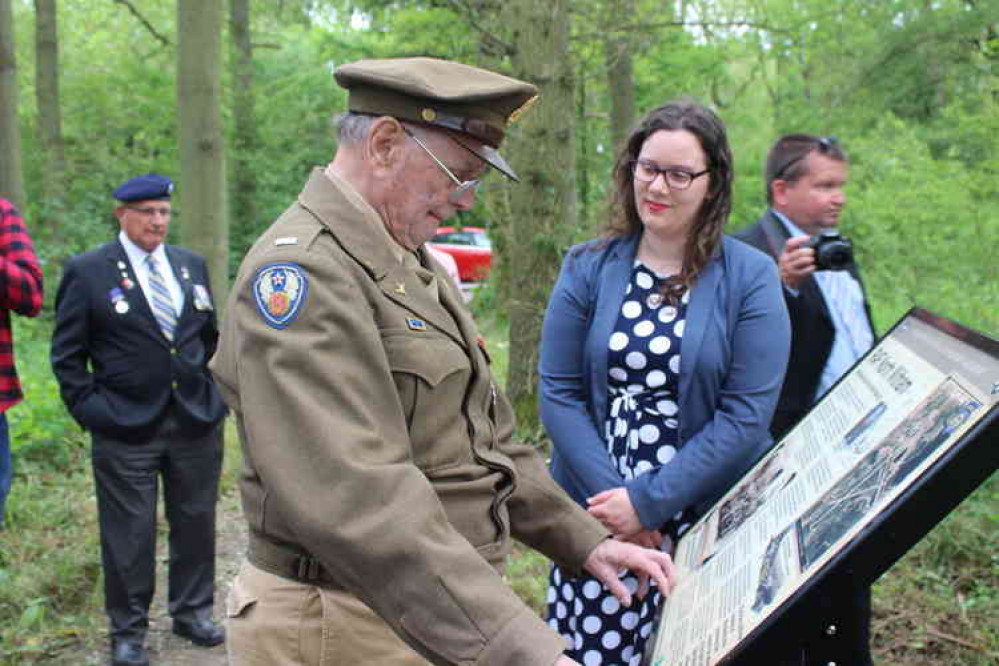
(920, 506)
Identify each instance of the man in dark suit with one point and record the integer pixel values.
(831, 328)
(830, 317)
(135, 328)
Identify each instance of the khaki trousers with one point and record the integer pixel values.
(275, 621)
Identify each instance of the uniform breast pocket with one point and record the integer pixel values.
(431, 374)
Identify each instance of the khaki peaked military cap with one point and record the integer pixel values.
(440, 93)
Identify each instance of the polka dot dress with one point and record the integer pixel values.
(643, 367)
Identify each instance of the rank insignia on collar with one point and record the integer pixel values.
(416, 324)
(280, 290)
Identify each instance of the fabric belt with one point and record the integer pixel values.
(286, 562)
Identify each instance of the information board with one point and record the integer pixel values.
(898, 442)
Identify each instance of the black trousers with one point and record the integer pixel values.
(127, 480)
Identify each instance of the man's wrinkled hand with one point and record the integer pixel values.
(612, 555)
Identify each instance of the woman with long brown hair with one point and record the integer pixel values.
(645, 435)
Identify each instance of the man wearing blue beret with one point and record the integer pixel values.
(135, 327)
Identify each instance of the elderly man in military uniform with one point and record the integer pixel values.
(381, 485)
(134, 329)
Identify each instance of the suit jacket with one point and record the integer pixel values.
(732, 360)
(375, 440)
(812, 328)
(117, 372)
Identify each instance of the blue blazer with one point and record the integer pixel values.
(732, 362)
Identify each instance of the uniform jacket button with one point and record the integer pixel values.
(831, 631)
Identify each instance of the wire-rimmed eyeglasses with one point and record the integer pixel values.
(824, 144)
(676, 179)
(149, 211)
(461, 186)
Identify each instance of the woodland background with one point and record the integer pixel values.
(235, 100)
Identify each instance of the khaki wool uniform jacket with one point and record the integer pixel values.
(375, 441)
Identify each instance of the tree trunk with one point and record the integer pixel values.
(244, 177)
(202, 190)
(11, 179)
(543, 207)
(49, 114)
(620, 80)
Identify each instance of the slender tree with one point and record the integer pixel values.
(11, 179)
(244, 177)
(49, 112)
(543, 213)
(205, 226)
(620, 81)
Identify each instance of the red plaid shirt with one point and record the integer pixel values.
(20, 291)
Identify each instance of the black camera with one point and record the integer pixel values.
(833, 252)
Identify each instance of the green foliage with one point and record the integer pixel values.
(939, 603)
(527, 574)
(40, 429)
(923, 246)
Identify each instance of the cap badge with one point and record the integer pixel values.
(428, 114)
(522, 109)
(280, 290)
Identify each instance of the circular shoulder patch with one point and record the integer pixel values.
(280, 290)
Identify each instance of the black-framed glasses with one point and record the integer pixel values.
(677, 179)
(149, 211)
(824, 144)
(461, 186)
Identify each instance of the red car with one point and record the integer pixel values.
(470, 248)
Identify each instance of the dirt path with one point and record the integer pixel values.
(166, 649)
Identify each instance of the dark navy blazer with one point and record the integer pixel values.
(117, 372)
(732, 362)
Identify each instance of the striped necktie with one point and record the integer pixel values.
(163, 310)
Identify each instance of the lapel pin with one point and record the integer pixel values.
(121, 307)
(416, 324)
(184, 273)
(126, 282)
(121, 265)
(400, 288)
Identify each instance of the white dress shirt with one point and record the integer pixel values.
(137, 257)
